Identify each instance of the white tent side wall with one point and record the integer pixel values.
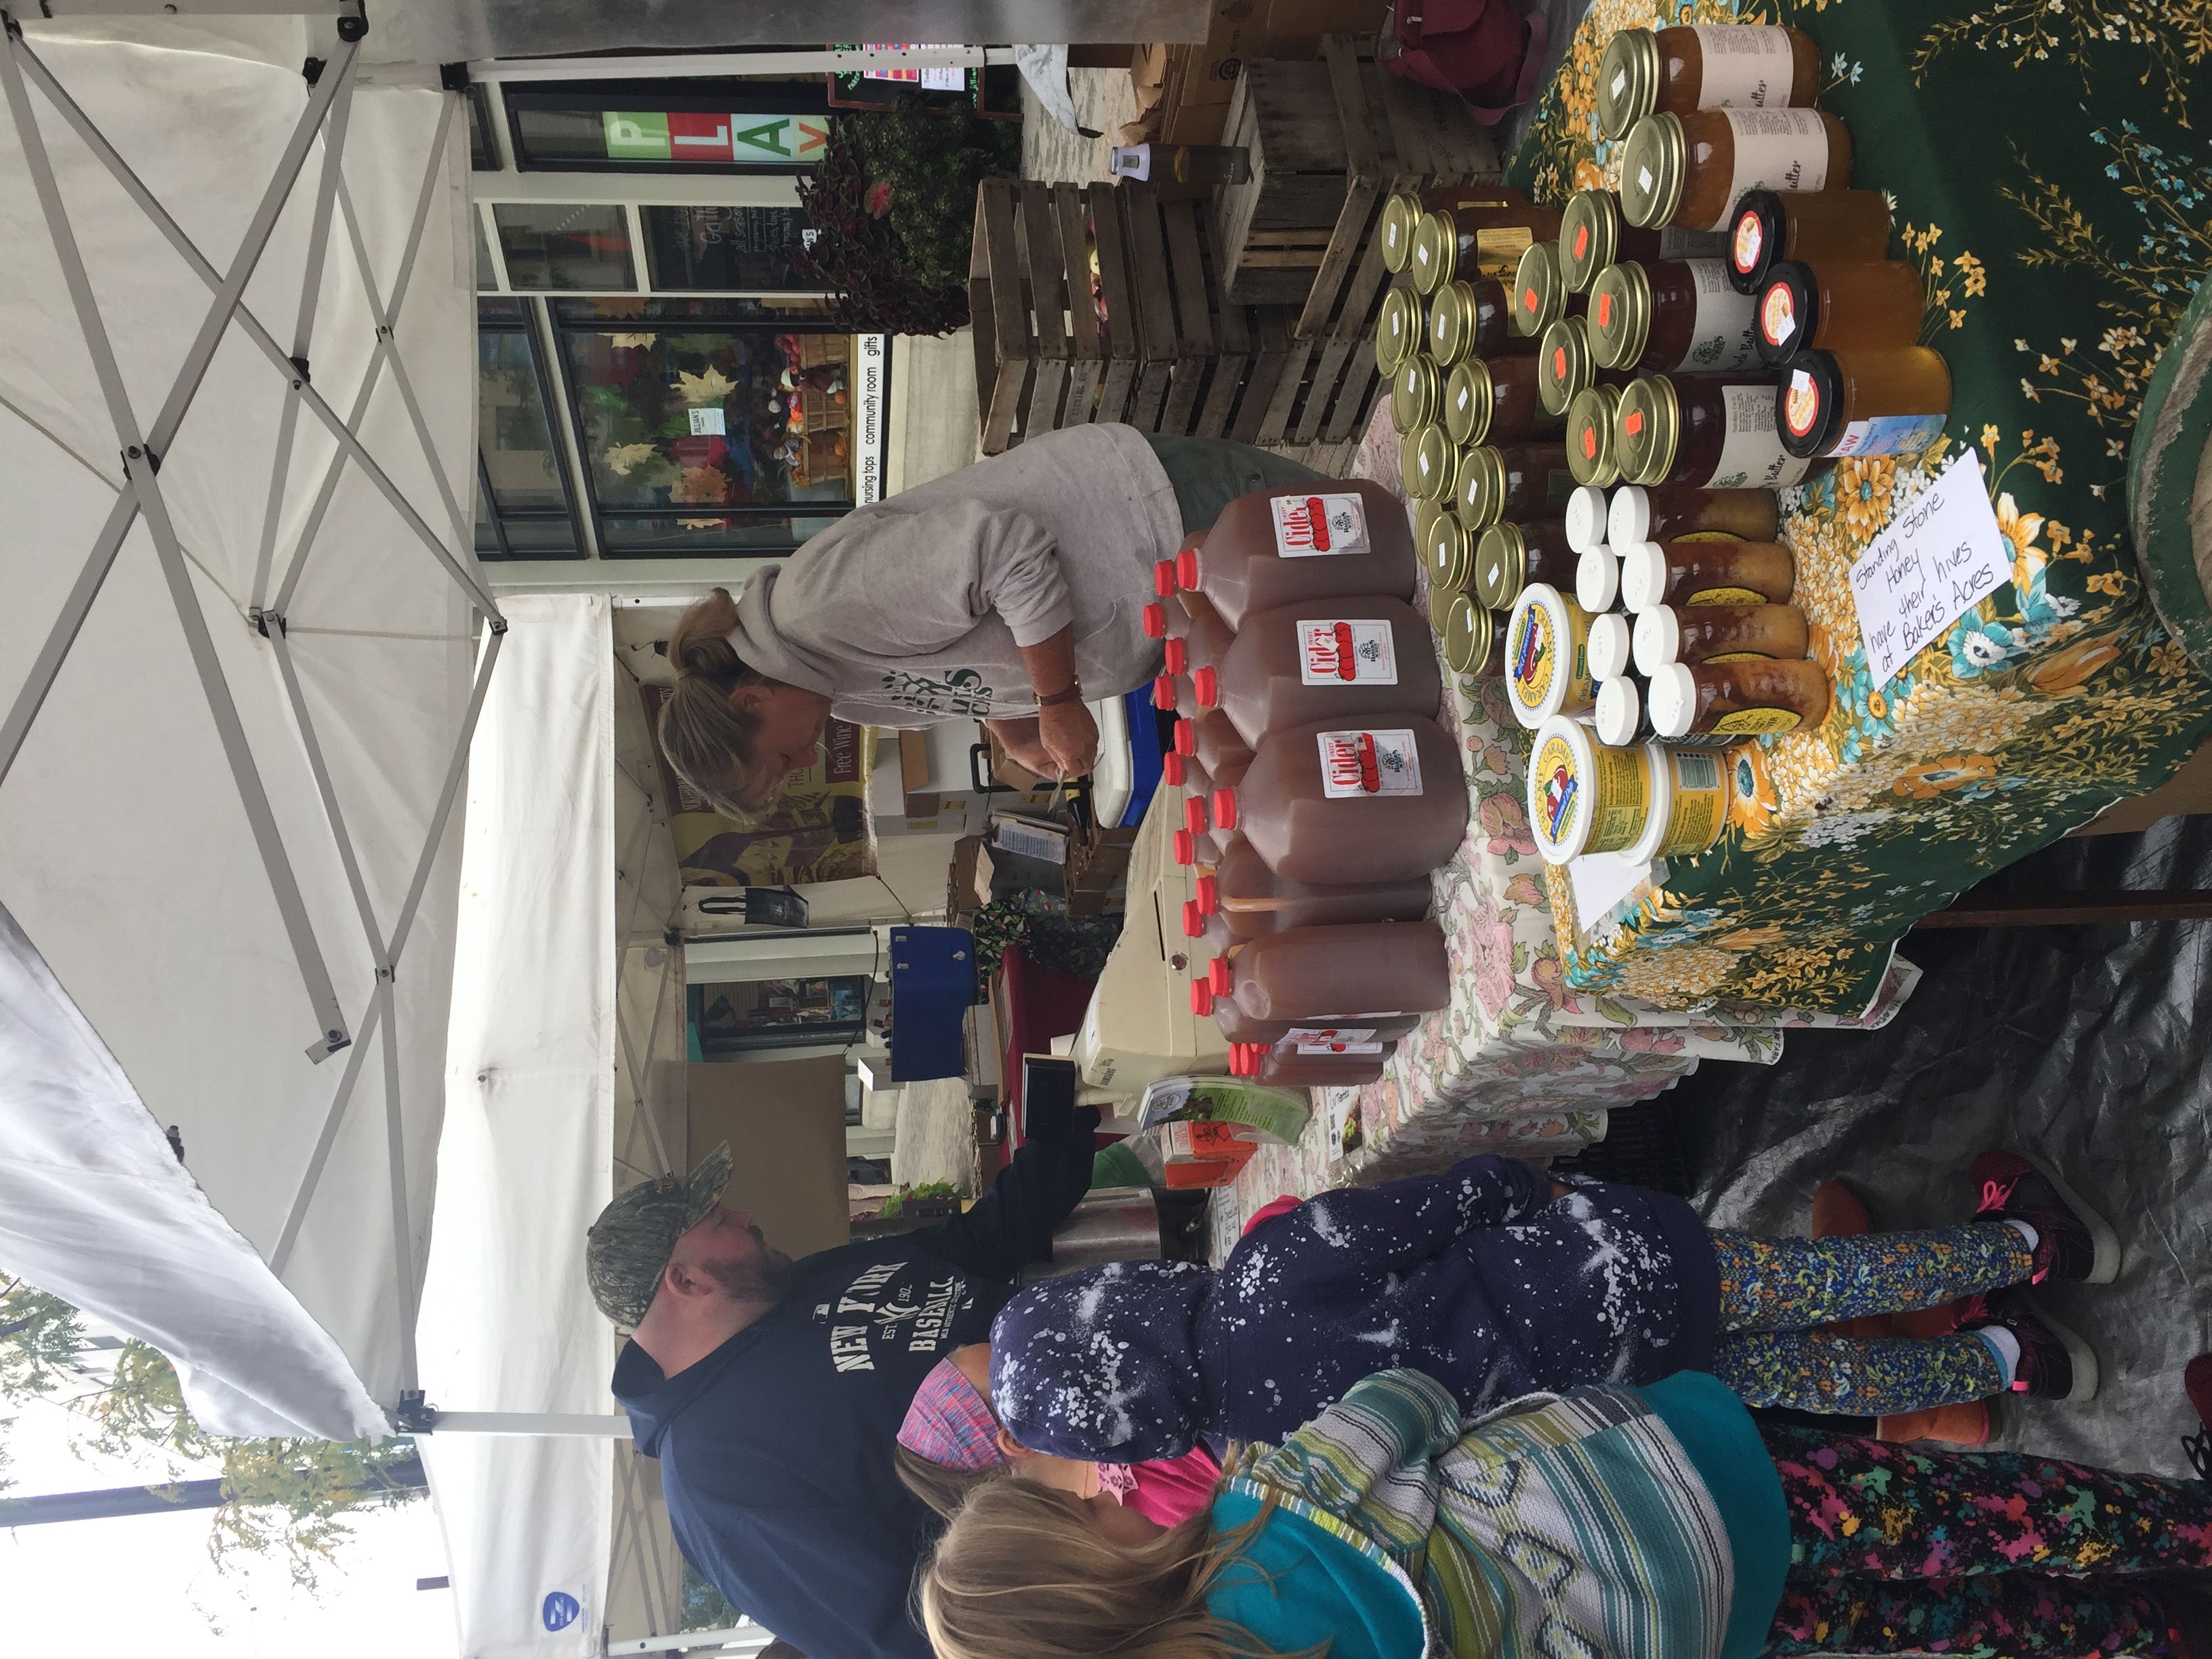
(528, 1152)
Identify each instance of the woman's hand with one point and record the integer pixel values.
(1070, 738)
(1019, 738)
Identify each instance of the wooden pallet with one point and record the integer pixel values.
(1274, 228)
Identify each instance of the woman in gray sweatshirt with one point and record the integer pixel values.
(1007, 593)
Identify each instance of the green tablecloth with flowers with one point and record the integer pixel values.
(2043, 178)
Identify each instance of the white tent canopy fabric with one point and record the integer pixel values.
(239, 598)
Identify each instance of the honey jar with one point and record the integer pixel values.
(1875, 303)
(1818, 227)
(1864, 403)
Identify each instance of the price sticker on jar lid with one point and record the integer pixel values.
(1749, 239)
(1778, 320)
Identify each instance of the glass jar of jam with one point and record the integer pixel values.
(1508, 557)
(1519, 482)
(1819, 227)
(1638, 514)
(1400, 215)
(1425, 463)
(1670, 315)
(1694, 573)
(1876, 303)
(1593, 440)
(1711, 431)
(1444, 547)
(1473, 640)
(1689, 169)
(1716, 632)
(1864, 403)
(1467, 319)
(1539, 294)
(1415, 389)
(1566, 366)
(1495, 400)
(1746, 698)
(1398, 329)
(1703, 66)
(1476, 242)
(1593, 234)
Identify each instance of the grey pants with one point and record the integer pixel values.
(1209, 473)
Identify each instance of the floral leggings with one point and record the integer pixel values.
(1900, 1549)
(1775, 1290)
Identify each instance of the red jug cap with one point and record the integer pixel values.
(1220, 975)
(1178, 654)
(1209, 894)
(1225, 808)
(1201, 996)
(1186, 849)
(1186, 738)
(1156, 621)
(1171, 768)
(1193, 816)
(1206, 685)
(1163, 691)
(1163, 578)
(1193, 920)
(1186, 569)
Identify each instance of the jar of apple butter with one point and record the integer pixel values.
(1496, 400)
(1398, 329)
(1593, 234)
(1593, 440)
(1509, 557)
(1566, 366)
(1477, 242)
(1415, 389)
(1703, 66)
(1710, 431)
(1467, 319)
(1519, 482)
(1671, 314)
(1689, 170)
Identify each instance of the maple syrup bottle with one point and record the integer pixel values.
(1254, 900)
(1671, 314)
(1306, 541)
(1341, 660)
(1309, 973)
(1820, 227)
(1703, 66)
(1746, 698)
(1689, 170)
(1508, 557)
(1351, 802)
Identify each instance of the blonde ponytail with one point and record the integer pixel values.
(707, 737)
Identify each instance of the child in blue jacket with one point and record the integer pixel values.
(1498, 1281)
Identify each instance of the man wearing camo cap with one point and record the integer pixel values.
(771, 1390)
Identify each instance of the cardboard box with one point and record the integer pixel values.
(1031, 839)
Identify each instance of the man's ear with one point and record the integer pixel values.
(677, 1281)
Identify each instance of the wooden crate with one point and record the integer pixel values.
(1274, 229)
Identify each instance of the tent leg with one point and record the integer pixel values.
(142, 467)
(395, 1151)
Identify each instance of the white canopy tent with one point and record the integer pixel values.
(237, 370)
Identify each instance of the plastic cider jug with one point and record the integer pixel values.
(1237, 1026)
(1315, 540)
(1309, 973)
(1216, 741)
(1346, 659)
(1381, 800)
(1254, 900)
(1303, 1068)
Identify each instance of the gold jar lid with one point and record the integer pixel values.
(1413, 390)
(1564, 364)
(1627, 81)
(1468, 400)
(1400, 213)
(1647, 428)
(1479, 490)
(1424, 463)
(1590, 237)
(1592, 440)
(1653, 162)
(1436, 252)
(1424, 513)
(1451, 322)
(1500, 566)
(1620, 314)
(1397, 330)
(1443, 550)
(1468, 632)
(1540, 293)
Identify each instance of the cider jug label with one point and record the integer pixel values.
(1339, 1048)
(1327, 1036)
(1365, 763)
(1333, 652)
(1307, 526)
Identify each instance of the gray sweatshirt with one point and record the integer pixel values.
(910, 611)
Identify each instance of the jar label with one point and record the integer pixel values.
(1720, 328)
(1751, 722)
(1337, 1049)
(1693, 818)
(1367, 763)
(1329, 1034)
(1338, 652)
(1737, 656)
(1746, 65)
(1889, 434)
(1675, 243)
(1309, 526)
(1724, 595)
(1498, 251)
(1775, 150)
(1751, 456)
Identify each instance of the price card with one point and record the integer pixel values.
(1940, 558)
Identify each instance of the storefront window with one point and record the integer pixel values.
(778, 1013)
(735, 249)
(522, 488)
(552, 245)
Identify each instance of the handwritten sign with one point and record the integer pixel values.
(1940, 558)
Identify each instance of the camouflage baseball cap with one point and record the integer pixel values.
(630, 1242)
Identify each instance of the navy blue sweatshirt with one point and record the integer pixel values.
(1476, 1276)
(775, 1450)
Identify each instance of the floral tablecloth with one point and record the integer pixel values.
(2058, 247)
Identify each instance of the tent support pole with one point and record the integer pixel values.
(280, 646)
(142, 466)
(395, 1151)
(303, 332)
(63, 635)
(589, 1425)
(281, 1256)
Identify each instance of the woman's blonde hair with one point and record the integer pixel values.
(707, 737)
(1022, 1574)
(943, 1489)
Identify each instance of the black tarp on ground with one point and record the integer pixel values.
(2083, 1045)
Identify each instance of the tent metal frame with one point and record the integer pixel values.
(325, 116)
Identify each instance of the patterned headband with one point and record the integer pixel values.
(951, 1424)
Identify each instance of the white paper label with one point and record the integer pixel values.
(709, 422)
(1338, 652)
(1752, 455)
(1599, 881)
(1940, 558)
(1329, 1034)
(1746, 65)
(1308, 525)
(1339, 1048)
(1365, 763)
(1722, 326)
(1775, 150)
